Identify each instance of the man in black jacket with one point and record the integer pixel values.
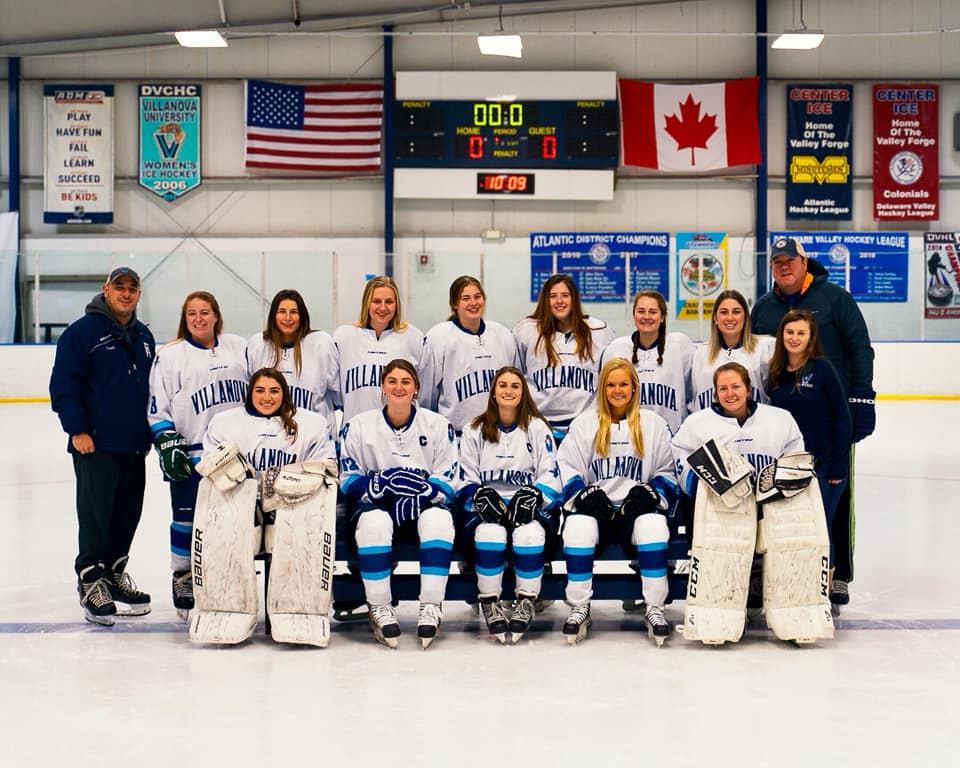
(99, 389)
(801, 283)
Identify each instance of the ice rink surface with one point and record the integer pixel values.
(882, 693)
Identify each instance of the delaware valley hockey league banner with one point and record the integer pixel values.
(819, 151)
(322, 128)
(942, 253)
(686, 128)
(906, 156)
(78, 161)
(169, 138)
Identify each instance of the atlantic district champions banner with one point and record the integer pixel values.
(78, 157)
(701, 272)
(169, 138)
(941, 251)
(906, 156)
(819, 151)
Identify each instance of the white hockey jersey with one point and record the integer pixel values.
(664, 388)
(265, 443)
(767, 434)
(520, 457)
(757, 364)
(360, 360)
(561, 392)
(458, 367)
(190, 384)
(370, 443)
(621, 469)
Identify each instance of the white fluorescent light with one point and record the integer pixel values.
(799, 40)
(201, 38)
(500, 45)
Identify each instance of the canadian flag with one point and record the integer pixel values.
(689, 127)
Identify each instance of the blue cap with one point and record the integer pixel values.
(123, 272)
(786, 246)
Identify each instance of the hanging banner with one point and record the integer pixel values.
(598, 262)
(78, 161)
(169, 138)
(872, 266)
(701, 272)
(906, 155)
(941, 252)
(819, 151)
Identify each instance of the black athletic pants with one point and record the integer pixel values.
(109, 504)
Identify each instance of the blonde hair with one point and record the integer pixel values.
(601, 441)
(380, 281)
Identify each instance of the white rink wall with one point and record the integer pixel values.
(903, 369)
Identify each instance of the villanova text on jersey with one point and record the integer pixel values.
(567, 377)
(261, 460)
(218, 393)
(605, 468)
(362, 376)
(652, 393)
(507, 476)
(474, 383)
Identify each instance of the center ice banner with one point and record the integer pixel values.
(169, 138)
(819, 151)
(78, 161)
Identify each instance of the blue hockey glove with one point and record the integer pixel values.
(397, 481)
(863, 411)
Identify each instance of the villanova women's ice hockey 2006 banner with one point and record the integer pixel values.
(906, 151)
(169, 138)
(941, 251)
(78, 157)
(599, 262)
(819, 151)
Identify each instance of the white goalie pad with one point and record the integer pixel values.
(301, 567)
(225, 466)
(796, 567)
(225, 541)
(720, 559)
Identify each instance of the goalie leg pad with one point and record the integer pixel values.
(796, 567)
(301, 570)
(720, 559)
(224, 544)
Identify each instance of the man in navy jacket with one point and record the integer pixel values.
(99, 389)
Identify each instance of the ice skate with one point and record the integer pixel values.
(383, 621)
(428, 625)
(494, 617)
(183, 594)
(575, 627)
(524, 611)
(658, 628)
(94, 591)
(131, 601)
(839, 596)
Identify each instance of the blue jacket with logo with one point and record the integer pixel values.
(100, 382)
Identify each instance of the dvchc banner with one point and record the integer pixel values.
(169, 138)
(906, 157)
(78, 161)
(819, 151)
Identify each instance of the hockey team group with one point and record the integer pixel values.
(503, 449)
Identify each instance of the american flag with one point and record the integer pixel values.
(328, 128)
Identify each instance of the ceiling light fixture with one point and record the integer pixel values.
(500, 43)
(201, 38)
(802, 39)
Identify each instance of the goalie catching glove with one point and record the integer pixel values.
(294, 483)
(785, 477)
(524, 505)
(725, 472)
(174, 460)
(225, 466)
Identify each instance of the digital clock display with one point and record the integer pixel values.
(506, 134)
(505, 183)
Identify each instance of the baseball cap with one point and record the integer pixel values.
(119, 272)
(786, 246)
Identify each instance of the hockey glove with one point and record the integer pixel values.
(488, 505)
(174, 459)
(785, 477)
(594, 502)
(405, 509)
(725, 472)
(641, 500)
(525, 503)
(397, 481)
(863, 412)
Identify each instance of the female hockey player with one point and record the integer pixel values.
(200, 373)
(559, 348)
(461, 355)
(380, 334)
(805, 383)
(398, 469)
(618, 478)
(509, 489)
(306, 358)
(731, 341)
(662, 360)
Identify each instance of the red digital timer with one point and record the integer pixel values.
(505, 183)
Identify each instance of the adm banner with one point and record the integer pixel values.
(169, 138)
(906, 157)
(78, 161)
(819, 151)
